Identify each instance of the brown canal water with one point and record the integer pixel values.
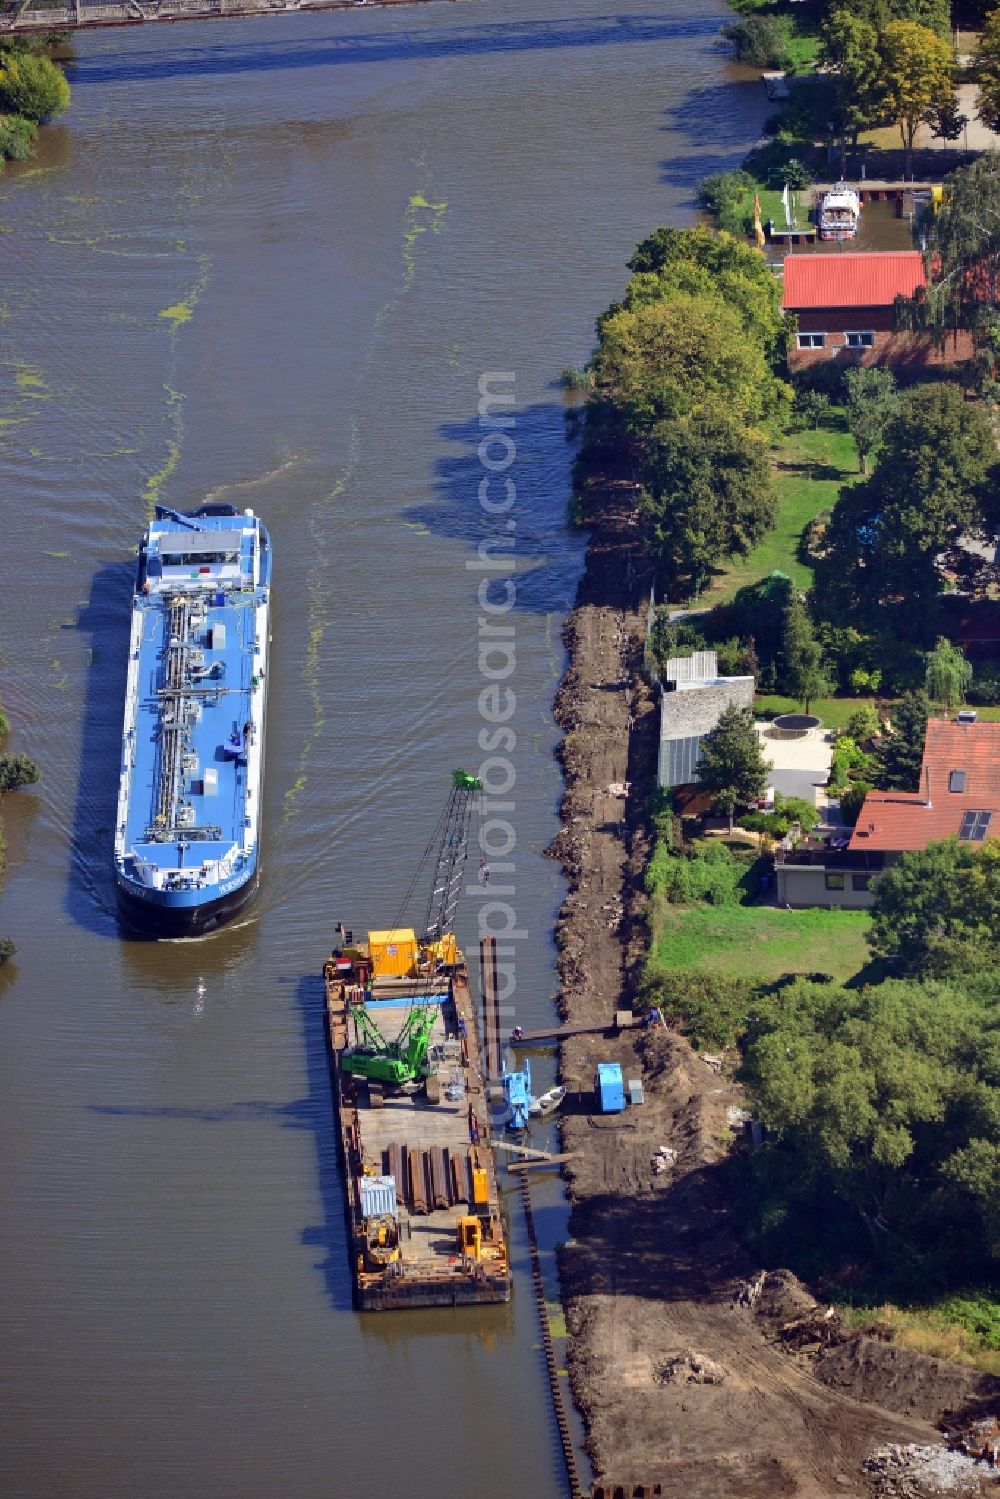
(268, 262)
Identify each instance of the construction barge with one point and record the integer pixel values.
(424, 1219)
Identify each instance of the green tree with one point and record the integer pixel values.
(964, 249)
(851, 800)
(708, 494)
(730, 269)
(849, 47)
(872, 402)
(934, 14)
(900, 754)
(7, 950)
(948, 674)
(863, 723)
(811, 406)
(759, 40)
(987, 64)
(731, 764)
(938, 909)
(803, 672)
(872, 1094)
(917, 77)
(972, 1177)
(663, 360)
(887, 534)
(16, 771)
(32, 86)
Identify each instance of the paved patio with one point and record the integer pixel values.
(801, 766)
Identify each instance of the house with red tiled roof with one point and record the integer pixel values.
(958, 796)
(844, 304)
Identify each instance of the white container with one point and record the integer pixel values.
(210, 782)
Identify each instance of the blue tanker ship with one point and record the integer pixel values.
(187, 832)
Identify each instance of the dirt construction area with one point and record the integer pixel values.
(692, 1369)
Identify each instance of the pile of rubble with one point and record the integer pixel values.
(915, 1472)
(980, 1439)
(690, 1368)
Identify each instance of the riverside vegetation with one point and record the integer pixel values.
(868, 1043)
(33, 89)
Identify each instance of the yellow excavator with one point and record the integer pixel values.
(381, 1245)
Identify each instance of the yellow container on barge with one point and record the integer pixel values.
(423, 1209)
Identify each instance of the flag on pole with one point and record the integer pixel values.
(787, 206)
(758, 227)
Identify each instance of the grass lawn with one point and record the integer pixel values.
(835, 711)
(811, 467)
(760, 942)
(771, 206)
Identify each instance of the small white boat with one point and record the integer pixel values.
(547, 1103)
(839, 212)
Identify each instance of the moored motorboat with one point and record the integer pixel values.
(839, 214)
(547, 1103)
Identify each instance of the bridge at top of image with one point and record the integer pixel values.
(80, 15)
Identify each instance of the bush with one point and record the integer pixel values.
(849, 761)
(760, 41)
(709, 874)
(7, 950)
(17, 770)
(810, 408)
(33, 87)
(852, 799)
(669, 638)
(788, 810)
(863, 723)
(722, 188)
(17, 137)
(711, 1007)
(724, 194)
(984, 688)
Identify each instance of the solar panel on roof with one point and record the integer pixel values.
(974, 826)
(956, 781)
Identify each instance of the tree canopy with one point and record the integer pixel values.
(803, 671)
(938, 909)
(948, 674)
(32, 86)
(872, 402)
(731, 763)
(685, 388)
(17, 771)
(917, 77)
(708, 492)
(886, 1099)
(664, 359)
(886, 535)
(987, 57)
(900, 754)
(849, 47)
(964, 245)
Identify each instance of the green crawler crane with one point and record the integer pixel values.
(404, 1059)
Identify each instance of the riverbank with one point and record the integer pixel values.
(679, 1370)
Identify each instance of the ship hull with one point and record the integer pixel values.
(160, 919)
(192, 767)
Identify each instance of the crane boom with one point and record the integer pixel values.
(404, 1059)
(453, 851)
